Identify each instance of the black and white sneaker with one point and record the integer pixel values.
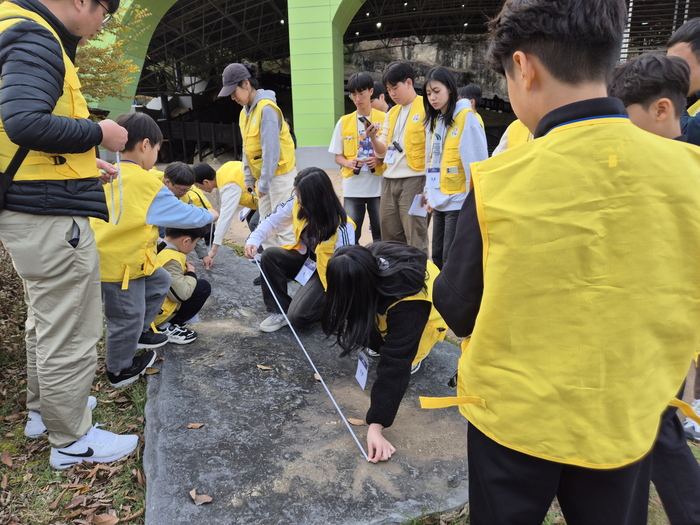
(150, 339)
(131, 374)
(97, 446)
(180, 335)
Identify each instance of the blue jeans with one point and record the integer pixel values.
(355, 208)
(444, 227)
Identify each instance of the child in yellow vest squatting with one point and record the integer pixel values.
(574, 273)
(233, 194)
(653, 89)
(179, 178)
(133, 287)
(187, 294)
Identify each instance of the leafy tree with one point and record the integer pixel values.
(105, 71)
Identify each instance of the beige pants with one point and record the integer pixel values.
(396, 223)
(281, 189)
(64, 321)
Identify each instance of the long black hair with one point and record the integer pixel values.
(357, 277)
(444, 76)
(319, 204)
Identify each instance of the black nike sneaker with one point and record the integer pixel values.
(97, 446)
(151, 339)
(131, 374)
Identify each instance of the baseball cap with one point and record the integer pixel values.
(232, 76)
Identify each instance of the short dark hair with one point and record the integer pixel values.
(445, 77)
(179, 173)
(192, 233)
(688, 33)
(379, 89)
(359, 82)
(576, 40)
(112, 6)
(398, 72)
(648, 78)
(471, 91)
(140, 127)
(203, 171)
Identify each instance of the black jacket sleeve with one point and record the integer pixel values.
(458, 289)
(32, 73)
(405, 324)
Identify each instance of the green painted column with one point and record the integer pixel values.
(316, 29)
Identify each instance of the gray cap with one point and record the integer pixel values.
(233, 74)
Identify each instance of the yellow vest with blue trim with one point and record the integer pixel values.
(591, 300)
(518, 134)
(324, 250)
(250, 131)
(39, 165)
(435, 329)
(413, 135)
(128, 249)
(232, 173)
(169, 306)
(454, 182)
(348, 128)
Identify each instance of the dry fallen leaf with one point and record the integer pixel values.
(6, 458)
(105, 519)
(123, 400)
(220, 355)
(195, 425)
(317, 377)
(263, 367)
(4, 483)
(150, 371)
(357, 422)
(199, 498)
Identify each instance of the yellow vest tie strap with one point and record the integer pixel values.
(686, 409)
(125, 279)
(444, 402)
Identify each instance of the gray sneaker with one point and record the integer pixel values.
(273, 323)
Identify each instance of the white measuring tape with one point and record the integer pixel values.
(121, 194)
(257, 261)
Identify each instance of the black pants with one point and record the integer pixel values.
(444, 228)
(190, 307)
(280, 265)
(507, 487)
(355, 208)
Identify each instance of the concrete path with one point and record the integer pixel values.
(272, 448)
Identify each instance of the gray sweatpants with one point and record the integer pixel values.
(129, 313)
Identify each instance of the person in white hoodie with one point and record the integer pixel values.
(268, 148)
(454, 139)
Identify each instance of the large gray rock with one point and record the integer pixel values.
(273, 449)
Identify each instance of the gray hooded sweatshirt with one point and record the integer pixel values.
(270, 127)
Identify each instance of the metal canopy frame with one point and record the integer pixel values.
(200, 37)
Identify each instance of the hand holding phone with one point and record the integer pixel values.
(364, 120)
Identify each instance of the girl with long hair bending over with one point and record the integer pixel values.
(320, 226)
(380, 297)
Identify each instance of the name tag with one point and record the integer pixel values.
(362, 370)
(306, 272)
(433, 178)
(390, 157)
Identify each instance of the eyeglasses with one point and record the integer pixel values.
(107, 15)
(358, 94)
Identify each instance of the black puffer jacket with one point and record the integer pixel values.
(32, 73)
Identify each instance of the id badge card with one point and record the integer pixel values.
(362, 370)
(306, 272)
(390, 156)
(433, 178)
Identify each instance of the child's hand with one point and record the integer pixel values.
(207, 262)
(251, 251)
(378, 448)
(189, 266)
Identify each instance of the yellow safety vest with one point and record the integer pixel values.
(128, 250)
(518, 134)
(40, 165)
(169, 306)
(195, 197)
(250, 131)
(324, 250)
(591, 301)
(694, 109)
(413, 135)
(456, 180)
(232, 173)
(348, 127)
(435, 329)
(481, 121)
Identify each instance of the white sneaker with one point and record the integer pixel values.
(371, 352)
(97, 446)
(416, 367)
(179, 334)
(35, 426)
(273, 323)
